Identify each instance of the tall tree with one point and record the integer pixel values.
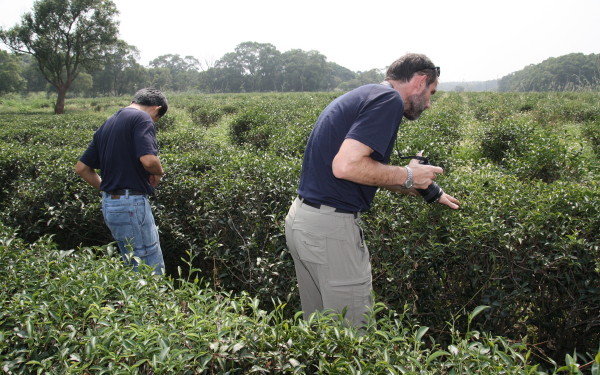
(65, 36)
(252, 67)
(121, 73)
(183, 70)
(35, 80)
(571, 72)
(305, 71)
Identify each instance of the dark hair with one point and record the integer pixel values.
(410, 64)
(151, 97)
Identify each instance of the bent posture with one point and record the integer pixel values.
(124, 148)
(345, 162)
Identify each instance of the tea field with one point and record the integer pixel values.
(508, 284)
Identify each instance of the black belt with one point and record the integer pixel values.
(318, 206)
(124, 192)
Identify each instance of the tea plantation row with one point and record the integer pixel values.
(83, 312)
(525, 167)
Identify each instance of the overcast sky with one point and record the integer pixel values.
(471, 40)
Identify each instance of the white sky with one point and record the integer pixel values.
(471, 40)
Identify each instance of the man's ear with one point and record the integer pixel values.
(418, 81)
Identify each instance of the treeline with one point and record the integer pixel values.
(261, 67)
(251, 67)
(572, 72)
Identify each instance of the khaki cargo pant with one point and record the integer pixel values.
(331, 260)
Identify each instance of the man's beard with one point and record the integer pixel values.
(416, 105)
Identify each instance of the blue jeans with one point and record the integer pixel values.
(130, 220)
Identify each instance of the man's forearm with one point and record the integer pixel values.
(366, 171)
(152, 165)
(88, 174)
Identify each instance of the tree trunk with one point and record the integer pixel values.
(59, 108)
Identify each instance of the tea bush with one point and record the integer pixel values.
(592, 131)
(73, 312)
(511, 244)
(205, 115)
(226, 207)
(524, 241)
(527, 150)
(279, 123)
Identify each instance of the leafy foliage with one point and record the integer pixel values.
(83, 311)
(523, 243)
(65, 36)
(571, 72)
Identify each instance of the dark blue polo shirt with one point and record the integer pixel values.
(117, 147)
(370, 114)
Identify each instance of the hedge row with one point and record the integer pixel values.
(524, 244)
(74, 312)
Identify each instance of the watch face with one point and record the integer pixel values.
(408, 183)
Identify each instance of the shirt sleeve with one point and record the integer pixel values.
(90, 157)
(144, 139)
(377, 123)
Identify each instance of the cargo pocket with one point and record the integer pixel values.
(310, 246)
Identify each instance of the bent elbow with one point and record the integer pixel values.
(340, 169)
(80, 168)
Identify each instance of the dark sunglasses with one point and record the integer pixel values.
(436, 68)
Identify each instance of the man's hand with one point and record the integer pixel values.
(423, 174)
(154, 180)
(449, 201)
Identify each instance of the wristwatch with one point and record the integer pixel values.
(409, 180)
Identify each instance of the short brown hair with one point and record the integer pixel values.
(410, 64)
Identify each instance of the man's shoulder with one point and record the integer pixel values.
(374, 90)
(133, 114)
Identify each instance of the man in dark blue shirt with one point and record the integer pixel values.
(124, 148)
(345, 162)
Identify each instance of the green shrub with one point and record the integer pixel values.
(214, 205)
(527, 150)
(73, 312)
(524, 241)
(251, 127)
(515, 246)
(592, 131)
(205, 115)
(48, 198)
(500, 139)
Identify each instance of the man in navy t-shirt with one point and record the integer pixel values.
(345, 162)
(124, 149)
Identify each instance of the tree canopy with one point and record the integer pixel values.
(10, 73)
(571, 72)
(64, 37)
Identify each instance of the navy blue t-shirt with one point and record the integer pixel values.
(370, 114)
(117, 147)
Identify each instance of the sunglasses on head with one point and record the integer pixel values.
(436, 68)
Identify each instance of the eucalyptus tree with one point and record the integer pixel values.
(64, 37)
